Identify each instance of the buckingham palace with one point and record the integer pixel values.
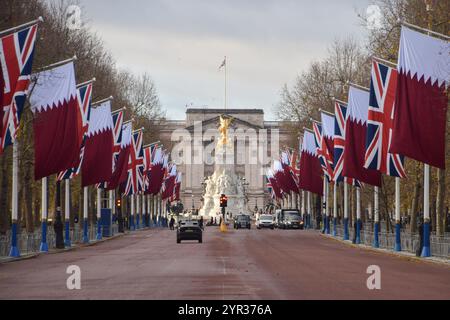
(203, 123)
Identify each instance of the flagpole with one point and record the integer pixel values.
(327, 210)
(15, 252)
(346, 233)
(426, 251)
(132, 226)
(324, 205)
(398, 243)
(138, 211)
(85, 215)
(57, 64)
(304, 210)
(67, 242)
(99, 213)
(86, 83)
(44, 216)
(358, 215)
(22, 26)
(97, 103)
(376, 241)
(226, 66)
(335, 212)
(308, 214)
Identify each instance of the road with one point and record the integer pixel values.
(239, 265)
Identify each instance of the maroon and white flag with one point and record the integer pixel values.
(56, 132)
(355, 139)
(120, 173)
(421, 101)
(310, 169)
(98, 150)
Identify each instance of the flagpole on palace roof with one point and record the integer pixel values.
(226, 98)
(22, 26)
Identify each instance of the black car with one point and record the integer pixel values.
(242, 221)
(189, 230)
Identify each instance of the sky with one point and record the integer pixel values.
(182, 43)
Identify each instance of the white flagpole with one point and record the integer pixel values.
(376, 241)
(67, 242)
(132, 226)
(112, 207)
(85, 215)
(226, 98)
(44, 215)
(309, 214)
(305, 222)
(324, 206)
(22, 26)
(144, 215)
(327, 207)
(15, 252)
(346, 233)
(426, 252)
(398, 243)
(358, 215)
(335, 211)
(99, 213)
(138, 211)
(149, 210)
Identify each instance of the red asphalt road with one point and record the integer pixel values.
(239, 265)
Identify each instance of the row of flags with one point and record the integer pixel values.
(72, 135)
(402, 114)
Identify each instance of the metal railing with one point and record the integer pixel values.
(29, 243)
(440, 246)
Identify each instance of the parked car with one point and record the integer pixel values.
(265, 221)
(189, 230)
(289, 219)
(242, 221)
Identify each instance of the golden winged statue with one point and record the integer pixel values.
(225, 124)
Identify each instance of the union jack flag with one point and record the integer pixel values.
(339, 145)
(380, 124)
(84, 98)
(117, 136)
(135, 165)
(16, 62)
(322, 151)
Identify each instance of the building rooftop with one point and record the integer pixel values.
(224, 111)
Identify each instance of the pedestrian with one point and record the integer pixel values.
(172, 224)
(200, 223)
(318, 221)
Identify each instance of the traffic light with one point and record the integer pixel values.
(118, 203)
(223, 201)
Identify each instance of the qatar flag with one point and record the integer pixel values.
(355, 139)
(289, 174)
(421, 100)
(274, 185)
(156, 173)
(56, 132)
(280, 177)
(169, 183)
(120, 173)
(310, 169)
(98, 150)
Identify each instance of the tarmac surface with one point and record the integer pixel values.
(239, 265)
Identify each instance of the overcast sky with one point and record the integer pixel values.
(181, 43)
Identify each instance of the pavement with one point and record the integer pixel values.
(239, 265)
